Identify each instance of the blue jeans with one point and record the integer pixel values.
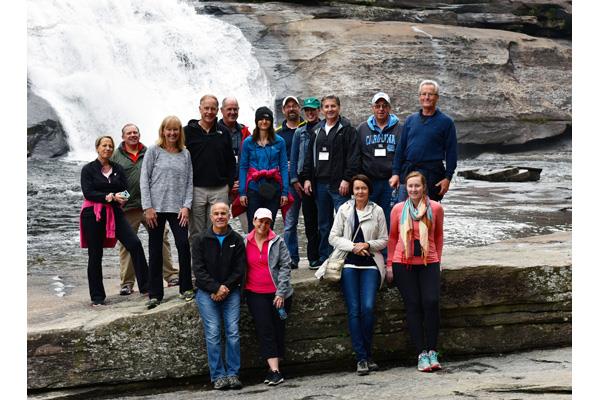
(290, 234)
(327, 200)
(359, 287)
(382, 194)
(211, 312)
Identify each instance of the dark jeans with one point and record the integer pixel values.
(327, 200)
(94, 232)
(311, 227)
(270, 329)
(359, 287)
(155, 239)
(256, 201)
(419, 286)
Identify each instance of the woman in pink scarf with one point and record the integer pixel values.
(414, 255)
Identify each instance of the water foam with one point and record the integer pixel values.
(103, 63)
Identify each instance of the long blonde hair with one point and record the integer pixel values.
(168, 122)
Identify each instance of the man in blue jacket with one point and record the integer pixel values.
(378, 137)
(428, 140)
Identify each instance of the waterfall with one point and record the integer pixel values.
(103, 63)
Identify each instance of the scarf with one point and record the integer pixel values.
(424, 215)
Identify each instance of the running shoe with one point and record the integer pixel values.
(433, 360)
(423, 364)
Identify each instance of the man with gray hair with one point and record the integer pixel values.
(130, 155)
(428, 140)
(213, 164)
(228, 123)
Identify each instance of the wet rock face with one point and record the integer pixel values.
(502, 88)
(45, 135)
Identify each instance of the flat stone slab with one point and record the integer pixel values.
(509, 296)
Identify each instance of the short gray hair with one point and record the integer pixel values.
(430, 82)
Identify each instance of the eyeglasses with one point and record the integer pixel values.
(380, 106)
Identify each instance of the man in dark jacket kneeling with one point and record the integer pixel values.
(219, 264)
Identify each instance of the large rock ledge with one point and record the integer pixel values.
(509, 296)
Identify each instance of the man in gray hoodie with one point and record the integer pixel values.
(378, 137)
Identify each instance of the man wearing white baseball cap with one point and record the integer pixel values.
(378, 137)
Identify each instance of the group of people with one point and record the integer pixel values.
(344, 179)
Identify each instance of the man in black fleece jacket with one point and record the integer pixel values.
(213, 163)
(219, 263)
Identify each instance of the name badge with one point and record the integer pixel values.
(323, 156)
(236, 159)
(380, 153)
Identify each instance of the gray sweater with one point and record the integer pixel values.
(166, 180)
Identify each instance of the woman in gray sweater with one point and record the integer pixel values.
(166, 185)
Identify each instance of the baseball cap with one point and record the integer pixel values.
(263, 213)
(311, 102)
(285, 100)
(380, 95)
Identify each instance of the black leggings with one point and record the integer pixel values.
(155, 246)
(94, 232)
(419, 286)
(270, 329)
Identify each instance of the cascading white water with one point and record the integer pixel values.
(103, 63)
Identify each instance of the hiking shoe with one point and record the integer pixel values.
(268, 377)
(221, 384)
(275, 379)
(433, 360)
(188, 295)
(173, 282)
(423, 364)
(152, 303)
(372, 365)
(234, 382)
(314, 264)
(126, 290)
(362, 367)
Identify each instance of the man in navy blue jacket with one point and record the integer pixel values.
(428, 140)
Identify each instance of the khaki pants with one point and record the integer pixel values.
(204, 197)
(135, 217)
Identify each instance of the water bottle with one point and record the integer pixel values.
(282, 313)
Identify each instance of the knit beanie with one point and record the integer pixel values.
(263, 112)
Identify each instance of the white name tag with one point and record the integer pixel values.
(323, 156)
(236, 159)
(380, 153)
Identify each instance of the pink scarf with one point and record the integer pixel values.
(110, 239)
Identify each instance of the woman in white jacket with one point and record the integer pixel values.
(358, 235)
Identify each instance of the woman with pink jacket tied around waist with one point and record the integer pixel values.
(414, 255)
(102, 221)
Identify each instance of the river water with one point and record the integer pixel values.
(477, 213)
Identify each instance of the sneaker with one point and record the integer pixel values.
(362, 367)
(275, 379)
(433, 360)
(126, 290)
(314, 264)
(173, 282)
(152, 303)
(423, 364)
(98, 303)
(234, 382)
(188, 295)
(221, 384)
(294, 265)
(372, 365)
